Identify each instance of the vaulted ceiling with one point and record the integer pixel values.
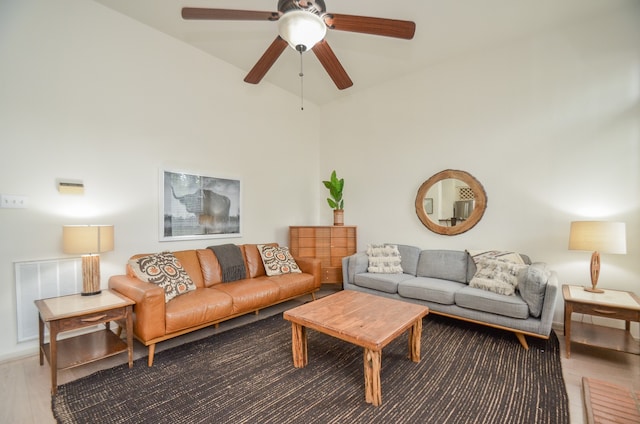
(444, 30)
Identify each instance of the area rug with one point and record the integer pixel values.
(468, 374)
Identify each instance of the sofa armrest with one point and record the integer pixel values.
(311, 266)
(149, 310)
(354, 264)
(549, 304)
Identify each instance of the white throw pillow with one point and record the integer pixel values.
(498, 276)
(384, 259)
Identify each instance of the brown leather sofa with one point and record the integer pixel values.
(213, 301)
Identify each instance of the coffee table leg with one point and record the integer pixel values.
(372, 389)
(299, 345)
(415, 334)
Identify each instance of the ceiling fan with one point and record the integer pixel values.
(303, 25)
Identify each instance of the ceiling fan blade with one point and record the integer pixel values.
(228, 14)
(375, 26)
(332, 65)
(267, 60)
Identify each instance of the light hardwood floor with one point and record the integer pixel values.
(25, 385)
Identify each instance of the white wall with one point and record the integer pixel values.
(88, 94)
(549, 124)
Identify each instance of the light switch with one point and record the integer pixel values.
(14, 202)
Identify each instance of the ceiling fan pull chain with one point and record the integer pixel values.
(301, 49)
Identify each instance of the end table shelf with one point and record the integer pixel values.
(86, 348)
(601, 336)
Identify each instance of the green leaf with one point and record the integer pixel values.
(335, 186)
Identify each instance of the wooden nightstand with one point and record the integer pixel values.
(610, 304)
(73, 312)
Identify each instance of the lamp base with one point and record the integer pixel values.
(90, 275)
(594, 270)
(593, 290)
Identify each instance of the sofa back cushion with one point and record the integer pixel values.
(191, 264)
(444, 264)
(211, 271)
(253, 260)
(409, 256)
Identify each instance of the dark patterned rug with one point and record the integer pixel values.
(468, 374)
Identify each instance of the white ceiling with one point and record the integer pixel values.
(444, 30)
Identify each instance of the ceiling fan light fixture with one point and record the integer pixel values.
(301, 28)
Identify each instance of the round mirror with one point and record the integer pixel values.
(451, 202)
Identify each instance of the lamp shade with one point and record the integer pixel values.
(87, 239)
(298, 27)
(598, 236)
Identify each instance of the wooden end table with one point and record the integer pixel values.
(365, 320)
(610, 304)
(66, 313)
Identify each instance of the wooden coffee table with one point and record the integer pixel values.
(365, 320)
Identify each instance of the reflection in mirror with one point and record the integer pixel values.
(451, 202)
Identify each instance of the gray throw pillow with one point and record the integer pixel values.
(532, 288)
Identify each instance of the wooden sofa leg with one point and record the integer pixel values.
(313, 295)
(152, 351)
(522, 340)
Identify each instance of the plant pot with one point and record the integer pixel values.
(338, 217)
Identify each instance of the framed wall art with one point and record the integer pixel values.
(428, 205)
(194, 206)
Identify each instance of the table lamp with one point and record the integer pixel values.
(599, 237)
(88, 241)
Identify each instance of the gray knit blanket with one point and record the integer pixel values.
(231, 262)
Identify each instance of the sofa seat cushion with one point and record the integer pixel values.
(382, 282)
(292, 285)
(196, 307)
(430, 289)
(251, 294)
(482, 300)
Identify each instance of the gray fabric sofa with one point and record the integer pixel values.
(440, 279)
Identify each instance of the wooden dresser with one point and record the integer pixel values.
(329, 244)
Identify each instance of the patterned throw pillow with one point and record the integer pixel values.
(165, 270)
(384, 259)
(277, 260)
(498, 276)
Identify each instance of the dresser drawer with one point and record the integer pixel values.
(332, 275)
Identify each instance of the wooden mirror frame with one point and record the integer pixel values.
(476, 214)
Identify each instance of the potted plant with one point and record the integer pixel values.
(336, 202)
